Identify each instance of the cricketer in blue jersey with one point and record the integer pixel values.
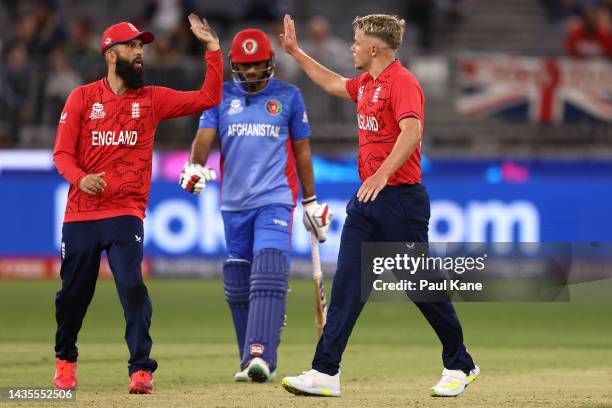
(263, 134)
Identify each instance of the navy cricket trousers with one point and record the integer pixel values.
(82, 245)
(399, 214)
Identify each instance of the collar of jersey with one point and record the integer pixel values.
(388, 69)
(109, 89)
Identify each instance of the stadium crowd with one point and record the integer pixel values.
(44, 55)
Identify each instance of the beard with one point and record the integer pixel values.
(132, 77)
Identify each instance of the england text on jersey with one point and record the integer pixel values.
(112, 138)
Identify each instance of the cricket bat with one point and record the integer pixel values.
(319, 287)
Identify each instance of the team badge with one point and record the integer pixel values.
(274, 107)
(256, 349)
(135, 110)
(249, 46)
(235, 107)
(376, 94)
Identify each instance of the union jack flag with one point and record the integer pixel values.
(544, 90)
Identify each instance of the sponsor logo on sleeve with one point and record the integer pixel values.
(63, 117)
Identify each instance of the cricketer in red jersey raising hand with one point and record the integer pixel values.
(104, 148)
(392, 205)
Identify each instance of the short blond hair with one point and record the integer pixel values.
(385, 27)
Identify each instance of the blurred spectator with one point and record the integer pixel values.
(82, 50)
(25, 31)
(62, 79)
(330, 50)
(49, 30)
(166, 15)
(422, 14)
(453, 12)
(163, 54)
(261, 11)
(17, 90)
(561, 10)
(590, 35)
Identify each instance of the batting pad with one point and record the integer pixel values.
(269, 276)
(236, 282)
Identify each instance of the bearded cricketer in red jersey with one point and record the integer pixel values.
(390, 206)
(104, 148)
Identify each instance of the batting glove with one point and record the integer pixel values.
(317, 217)
(194, 177)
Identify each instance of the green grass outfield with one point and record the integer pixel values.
(531, 354)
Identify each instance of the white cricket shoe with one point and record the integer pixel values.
(243, 376)
(453, 382)
(259, 371)
(313, 383)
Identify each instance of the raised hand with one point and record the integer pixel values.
(203, 32)
(288, 39)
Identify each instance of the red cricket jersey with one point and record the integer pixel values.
(101, 131)
(381, 104)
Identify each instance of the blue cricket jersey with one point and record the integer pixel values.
(257, 161)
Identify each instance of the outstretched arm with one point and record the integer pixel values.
(170, 103)
(328, 80)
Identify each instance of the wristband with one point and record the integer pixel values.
(309, 200)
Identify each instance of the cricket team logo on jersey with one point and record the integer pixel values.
(249, 46)
(97, 111)
(135, 110)
(274, 107)
(376, 93)
(256, 349)
(235, 107)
